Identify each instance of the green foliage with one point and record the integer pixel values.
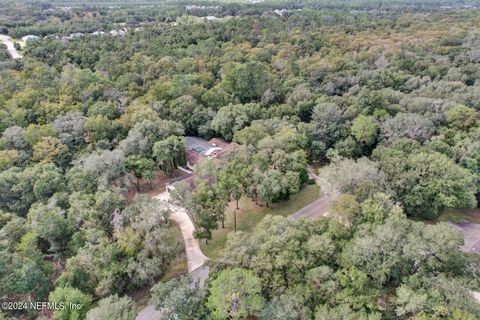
(233, 118)
(383, 95)
(113, 308)
(235, 294)
(181, 299)
(426, 182)
(170, 153)
(461, 117)
(247, 81)
(68, 296)
(140, 166)
(364, 130)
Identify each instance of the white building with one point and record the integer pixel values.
(30, 37)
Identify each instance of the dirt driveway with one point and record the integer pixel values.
(471, 233)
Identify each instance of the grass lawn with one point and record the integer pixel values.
(250, 214)
(458, 215)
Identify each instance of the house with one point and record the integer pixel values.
(198, 149)
(75, 35)
(30, 37)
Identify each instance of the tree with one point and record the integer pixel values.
(327, 121)
(283, 250)
(343, 312)
(50, 224)
(353, 176)
(113, 308)
(70, 128)
(230, 182)
(81, 180)
(8, 158)
(208, 210)
(99, 128)
(407, 125)
(286, 307)
(47, 179)
(345, 208)
(426, 182)
(247, 81)
(139, 165)
(389, 252)
(34, 133)
(136, 112)
(67, 296)
(377, 208)
(364, 130)
(179, 298)
(105, 167)
(461, 117)
(251, 135)
(49, 149)
(187, 111)
(12, 138)
(144, 134)
(170, 153)
(275, 185)
(232, 118)
(235, 294)
(437, 296)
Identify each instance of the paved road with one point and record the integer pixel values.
(317, 208)
(471, 233)
(321, 206)
(10, 47)
(195, 258)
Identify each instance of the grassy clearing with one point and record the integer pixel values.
(459, 215)
(250, 214)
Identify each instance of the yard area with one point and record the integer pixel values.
(250, 214)
(156, 186)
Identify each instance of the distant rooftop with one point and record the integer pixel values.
(198, 145)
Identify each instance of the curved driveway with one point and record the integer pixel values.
(10, 47)
(195, 257)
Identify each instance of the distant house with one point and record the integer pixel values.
(119, 32)
(198, 149)
(30, 37)
(75, 35)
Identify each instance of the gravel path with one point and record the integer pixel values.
(10, 47)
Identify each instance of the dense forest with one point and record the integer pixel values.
(382, 98)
